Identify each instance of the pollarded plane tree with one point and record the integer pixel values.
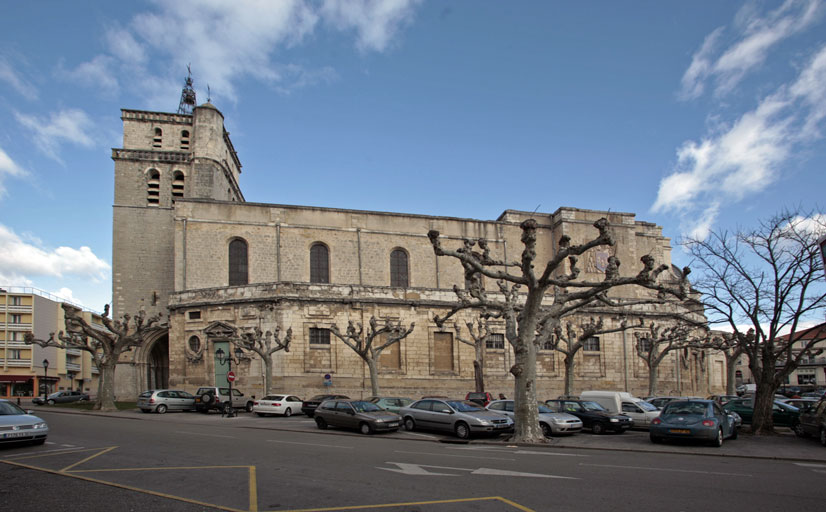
(659, 340)
(769, 280)
(105, 346)
(363, 345)
(527, 319)
(479, 334)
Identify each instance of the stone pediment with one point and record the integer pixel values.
(220, 331)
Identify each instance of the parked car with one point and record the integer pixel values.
(722, 399)
(214, 398)
(593, 415)
(162, 400)
(818, 394)
(61, 397)
(745, 388)
(483, 398)
(813, 422)
(19, 426)
(551, 422)
(622, 402)
(660, 401)
(702, 420)
(388, 403)
(783, 415)
(365, 416)
(285, 405)
(308, 407)
(801, 403)
(461, 417)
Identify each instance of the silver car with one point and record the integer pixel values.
(550, 421)
(460, 417)
(162, 400)
(18, 426)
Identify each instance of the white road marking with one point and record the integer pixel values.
(420, 435)
(419, 469)
(520, 452)
(529, 452)
(310, 444)
(807, 465)
(449, 455)
(665, 469)
(200, 434)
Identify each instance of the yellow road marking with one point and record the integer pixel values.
(49, 454)
(155, 469)
(412, 503)
(105, 450)
(253, 490)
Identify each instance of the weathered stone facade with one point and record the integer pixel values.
(173, 254)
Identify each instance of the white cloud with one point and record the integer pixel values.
(9, 75)
(375, 21)
(8, 168)
(19, 260)
(98, 72)
(70, 125)
(754, 37)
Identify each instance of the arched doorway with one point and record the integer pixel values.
(157, 369)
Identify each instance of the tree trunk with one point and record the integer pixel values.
(652, 379)
(106, 389)
(479, 368)
(569, 375)
(762, 422)
(731, 371)
(267, 360)
(526, 413)
(374, 375)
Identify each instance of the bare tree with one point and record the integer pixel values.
(106, 346)
(265, 344)
(570, 340)
(479, 339)
(658, 342)
(769, 280)
(363, 346)
(529, 323)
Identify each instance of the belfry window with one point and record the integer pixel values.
(238, 263)
(177, 185)
(398, 269)
(153, 187)
(319, 264)
(156, 142)
(185, 139)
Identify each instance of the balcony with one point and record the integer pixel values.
(72, 367)
(16, 344)
(16, 327)
(15, 309)
(74, 352)
(19, 363)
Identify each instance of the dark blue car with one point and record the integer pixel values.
(703, 420)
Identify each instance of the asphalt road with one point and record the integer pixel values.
(181, 462)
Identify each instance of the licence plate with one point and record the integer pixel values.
(16, 434)
(679, 431)
(392, 424)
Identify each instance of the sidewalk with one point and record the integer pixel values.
(784, 446)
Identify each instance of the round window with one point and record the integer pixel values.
(195, 344)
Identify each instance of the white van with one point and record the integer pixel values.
(623, 402)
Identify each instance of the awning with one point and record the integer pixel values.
(15, 378)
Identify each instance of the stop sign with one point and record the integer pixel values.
(231, 377)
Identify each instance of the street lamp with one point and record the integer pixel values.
(224, 358)
(45, 375)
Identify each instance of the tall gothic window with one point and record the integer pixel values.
(319, 264)
(398, 269)
(238, 262)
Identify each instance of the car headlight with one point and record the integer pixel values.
(40, 425)
(485, 423)
(379, 420)
(614, 420)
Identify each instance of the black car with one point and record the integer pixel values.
(593, 415)
(309, 406)
(813, 422)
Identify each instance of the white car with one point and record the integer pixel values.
(284, 405)
(17, 425)
(550, 421)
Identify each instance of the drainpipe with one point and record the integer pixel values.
(625, 360)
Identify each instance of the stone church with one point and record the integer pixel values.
(187, 244)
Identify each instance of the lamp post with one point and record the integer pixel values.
(45, 375)
(227, 358)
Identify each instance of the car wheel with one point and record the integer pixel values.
(462, 430)
(798, 430)
(823, 436)
(248, 408)
(320, 423)
(50, 402)
(598, 428)
(161, 409)
(365, 428)
(718, 441)
(288, 412)
(546, 430)
(409, 424)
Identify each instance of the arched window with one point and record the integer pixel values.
(319, 264)
(398, 269)
(177, 185)
(156, 142)
(238, 262)
(153, 187)
(185, 139)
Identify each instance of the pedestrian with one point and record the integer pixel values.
(502, 396)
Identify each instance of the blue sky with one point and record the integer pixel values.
(693, 115)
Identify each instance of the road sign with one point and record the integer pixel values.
(231, 377)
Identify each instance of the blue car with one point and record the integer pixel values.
(702, 420)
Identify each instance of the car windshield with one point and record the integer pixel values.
(544, 408)
(592, 406)
(685, 409)
(362, 406)
(146, 394)
(9, 409)
(319, 398)
(645, 406)
(273, 397)
(463, 406)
